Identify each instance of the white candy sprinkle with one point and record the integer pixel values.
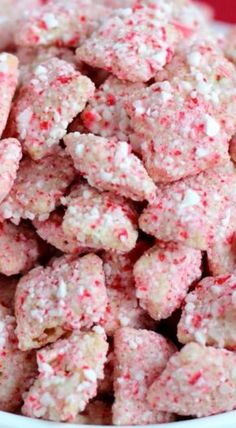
(211, 126)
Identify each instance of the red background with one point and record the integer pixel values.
(225, 9)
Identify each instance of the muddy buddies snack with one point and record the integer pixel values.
(117, 211)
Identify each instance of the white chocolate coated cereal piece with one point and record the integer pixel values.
(69, 371)
(189, 210)
(163, 276)
(110, 165)
(52, 232)
(133, 44)
(60, 24)
(181, 131)
(197, 381)
(209, 314)
(8, 83)
(38, 187)
(101, 220)
(18, 368)
(66, 296)
(19, 248)
(47, 104)
(10, 156)
(105, 114)
(140, 357)
(30, 58)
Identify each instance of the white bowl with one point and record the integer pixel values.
(225, 420)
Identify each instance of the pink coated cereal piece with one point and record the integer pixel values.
(7, 292)
(105, 113)
(19, 248)
(11, 11)
(123, 310)
(163, 276)
(101, 220)
(140, 356)
(189, 210)
(47, 104)
(97, 412)
(10, 156)
(52, 232)
(133, 44)
(69, 371)
(60, 24)
(8, 83)
(63, 297)
(109, 164)
(30, 59)
(209, 313)
(197, 381)
(18, 368)
(182, 132)
(38, 187)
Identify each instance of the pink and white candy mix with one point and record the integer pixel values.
(117, 211)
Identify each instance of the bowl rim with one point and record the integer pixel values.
(223, 420)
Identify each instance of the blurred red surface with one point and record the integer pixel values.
(225, 10)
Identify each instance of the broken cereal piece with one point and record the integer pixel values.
(101, 220)
(38, 187)
(190, 210)
(163, 276)
(63, 297)
(140, 357)
(19, 248)
(133, 44)
(109, 164)
(209, 313)
(47, 104)
(105, 114)
(69, 371)
(197, 381)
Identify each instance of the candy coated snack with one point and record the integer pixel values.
(105, 114)
(187, 119)
(110, 165)
(209, 313)
(133, 44)
(19, 248)
(190, 210)
(10, 156)
(140, 357)
(30, 58)
(101, 220)
(18, 368)
(163, 276)
(66, 296)
(38, 187)
(197, 381)
(8, 83)
(69, 371)
(52, 232)
(47, 104)
(60, 24)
